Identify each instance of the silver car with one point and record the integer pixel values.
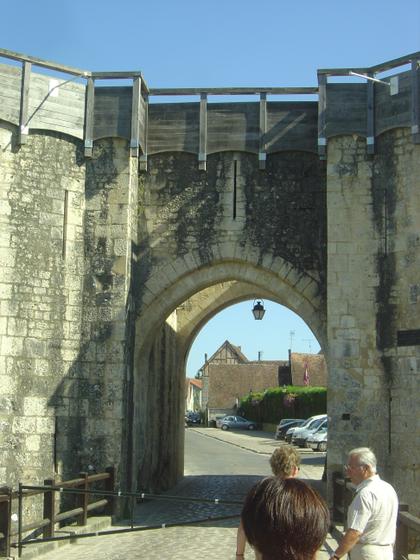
(300, 434)
(318, 440)
(237, 423)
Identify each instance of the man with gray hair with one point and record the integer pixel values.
(372, 515)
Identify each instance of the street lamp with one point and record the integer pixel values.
(258, 310)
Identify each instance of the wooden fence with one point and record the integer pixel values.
(51, 517)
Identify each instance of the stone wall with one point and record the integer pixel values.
(67, 234)
(199, 229)
(93, 432)
(279, 212)
(95, 260)
(397, 172)
(373, 253)
(41, 288)
(159, 409)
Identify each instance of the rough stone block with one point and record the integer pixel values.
(23, 425)
(36, 406)
(11, 346)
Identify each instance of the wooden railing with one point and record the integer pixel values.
(343, 492)
(51, 517)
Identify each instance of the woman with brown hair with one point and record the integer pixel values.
(285, 519)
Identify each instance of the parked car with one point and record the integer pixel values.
(318, 440)
(289, 434)
(219, 420)
(237, 423)
(304, 437)
(301, 434)
(284, 425)
(192, 418)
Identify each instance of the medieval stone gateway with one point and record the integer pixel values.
(126, 225)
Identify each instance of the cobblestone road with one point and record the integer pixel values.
(213, 540)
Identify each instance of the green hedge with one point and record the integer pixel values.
(284, 402)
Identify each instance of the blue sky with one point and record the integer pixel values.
(223, 42)
(186, 43)
(271, 336)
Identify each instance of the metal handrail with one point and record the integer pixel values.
(68, 487)
(62, 489)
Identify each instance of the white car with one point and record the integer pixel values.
(318, 441)
(300, 434)
(314, 429)
(289, 434)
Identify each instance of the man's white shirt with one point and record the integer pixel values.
(373, 512)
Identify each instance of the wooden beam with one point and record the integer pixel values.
(262, 154)
(415, 101)
(322, 108)
(202, 150)
(388, 65)
(383, 67)
(44, 63)
(370, 112)
(135, 124)
(116, 75)
(235, 91)
(143, 155)
(341, 71)
(24, 103)
(89, 116)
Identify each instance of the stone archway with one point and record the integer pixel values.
(166, 329)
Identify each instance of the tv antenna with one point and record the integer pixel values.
(292, 334)
(309, 341)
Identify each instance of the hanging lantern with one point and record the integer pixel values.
(258, 310)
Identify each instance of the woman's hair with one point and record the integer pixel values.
(284, 461)
(285, 519)
(365, 456)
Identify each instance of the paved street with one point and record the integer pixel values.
(219, 465)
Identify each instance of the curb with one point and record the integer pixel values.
(232, 443)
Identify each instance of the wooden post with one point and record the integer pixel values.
(202, 150)
(24, 103)
(401, 543)
(110, 487)
(347, 498)
(262, 155)
(49, 509)
(370, 111)
(5, 519)
(415, 100)
(143, 156)
(337, 496)
(322, 109)
(20, 519)
(89, 115)
(83, 499)
(135, 125)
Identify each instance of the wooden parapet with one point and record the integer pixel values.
(89, 112)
